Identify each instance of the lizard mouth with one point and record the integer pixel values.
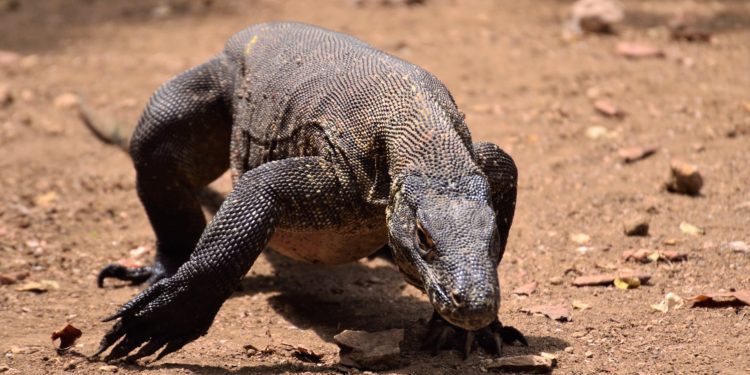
(470, 311)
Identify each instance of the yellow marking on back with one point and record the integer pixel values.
(250, 44)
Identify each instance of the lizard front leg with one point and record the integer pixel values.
(178, 309)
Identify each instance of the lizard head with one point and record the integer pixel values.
(444, 239)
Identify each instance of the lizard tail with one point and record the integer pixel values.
(111, 133)
(106, 131)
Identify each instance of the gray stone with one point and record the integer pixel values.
(371, 350)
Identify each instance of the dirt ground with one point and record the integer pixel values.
(68, 205)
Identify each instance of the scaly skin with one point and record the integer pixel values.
(335, 147)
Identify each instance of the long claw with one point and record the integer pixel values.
(110, 338)
(127, 345)
(468, 344)
(511, 334)
(441, 340)
(173, 346)
(498, 343)
(150, 348)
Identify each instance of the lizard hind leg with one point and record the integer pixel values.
(180, 145)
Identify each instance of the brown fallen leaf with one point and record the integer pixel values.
(608, 109)
(7, 280)
(555, 312)
(608, 279)
(740, 297)
(638, 50)
(633, 154)
(67, 335)
(525, 290)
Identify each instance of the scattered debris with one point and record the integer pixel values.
(303, 354)
(67, 335)
(646, 256)
(627, 282)
(686, 27)
(535, 364)
(66, 101)
(525, 290)
(595, 16)
(555, 312)
(578, 305)
(608, 279)
(580, 238)
(691, 229)
(633, 154)
(636, 226)
(370, 350)
(39, 286)
(738, 246)
(684, 179)
(46, 199)
(596, 132)
(634, 50)
(671, 301)
(7, 280)
(608, 109)
(741, 297)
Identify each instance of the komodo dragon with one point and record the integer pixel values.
(336, 149)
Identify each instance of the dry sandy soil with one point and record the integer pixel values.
(68, 205)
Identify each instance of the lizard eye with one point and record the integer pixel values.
(425, 243)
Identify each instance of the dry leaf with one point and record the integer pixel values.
(67, 335)
(525, 290)
(670, 302)
(608, 279)
(554, 312)
(627, 282)
(580, 305)
(46, 199)
(38, 287)
(691, 229)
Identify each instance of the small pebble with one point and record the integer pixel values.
(569, 349)
(589, 354)
(556, 280)
(636, 226)
(684, 179)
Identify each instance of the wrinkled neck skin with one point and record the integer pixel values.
(458, 269)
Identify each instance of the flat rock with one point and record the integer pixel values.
(636, 226)
(370, 350)
(533, 364)
(738, 246)
(634, 50)
(684, 179)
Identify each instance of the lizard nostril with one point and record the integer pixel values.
(458, 299)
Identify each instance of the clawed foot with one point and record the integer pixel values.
(136, 275)
(166, 316)
(442, 334)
